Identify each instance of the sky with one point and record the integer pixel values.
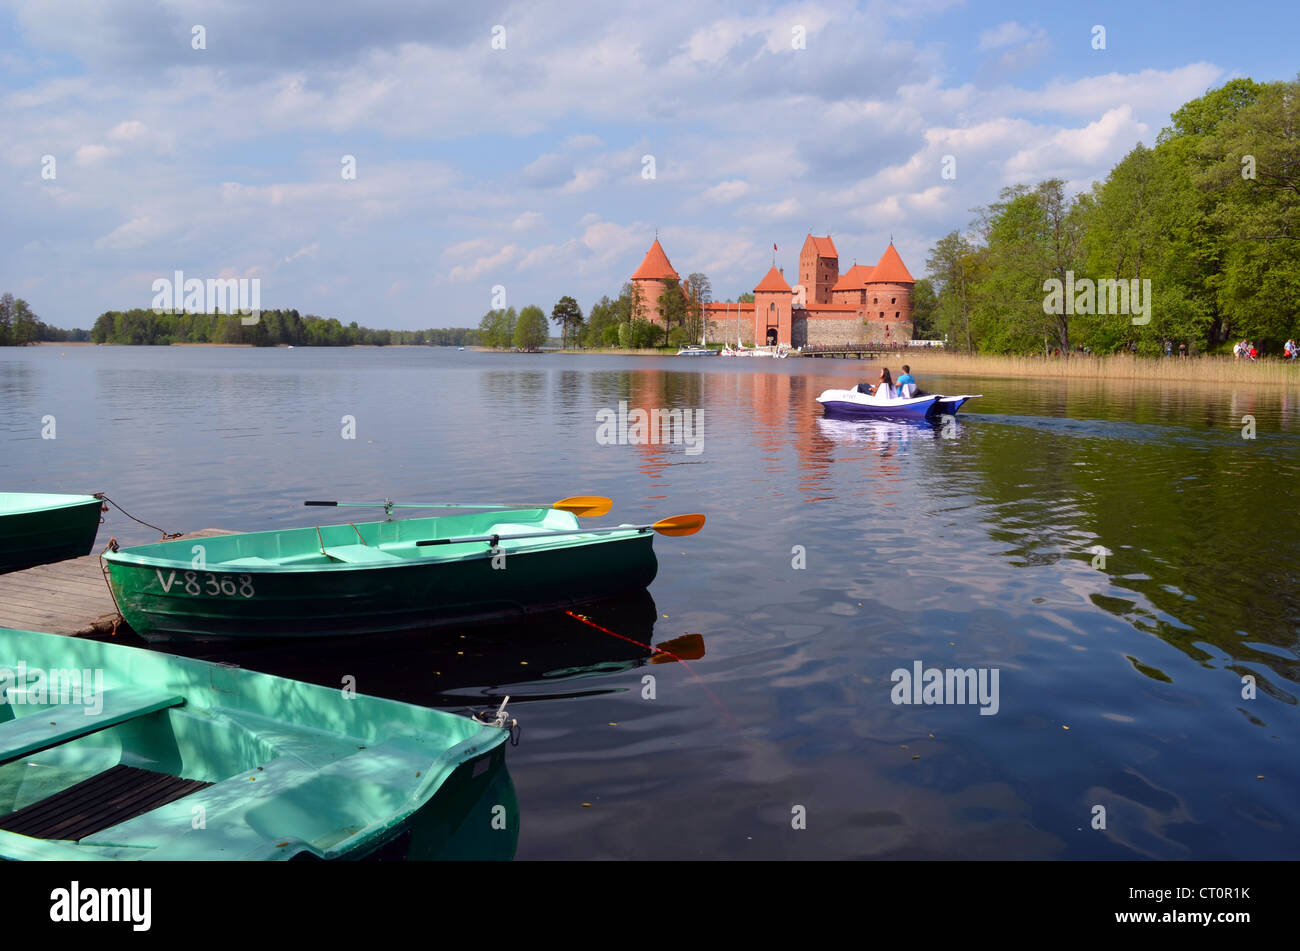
(537, 146)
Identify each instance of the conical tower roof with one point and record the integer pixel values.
(655, 266)
(891, 269)
(773, 281)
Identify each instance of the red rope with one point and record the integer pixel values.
(660, 650)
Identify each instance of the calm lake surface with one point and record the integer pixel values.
(1120, 675)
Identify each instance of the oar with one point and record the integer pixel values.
(584, 505)
(674, 525)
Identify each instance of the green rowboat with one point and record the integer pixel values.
(112, 752)
(36, 528)
(370, 577)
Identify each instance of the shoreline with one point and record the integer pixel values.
(1119, 366)
(1125, 367)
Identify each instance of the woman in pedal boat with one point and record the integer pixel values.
(885, 388)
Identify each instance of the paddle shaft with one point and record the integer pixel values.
(438, 505)
(493, 539)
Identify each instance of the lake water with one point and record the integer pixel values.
(1118, 553)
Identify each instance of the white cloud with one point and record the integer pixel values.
(91, 154)
(486, 264)
(1004, 34)
(727, 191)
(135, 233)
(127, 131)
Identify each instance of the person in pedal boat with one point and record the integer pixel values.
(885, 388)
(907, 383)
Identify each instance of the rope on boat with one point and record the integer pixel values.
(103, 569)
(107, 502)
(659, 650)
(503, 720)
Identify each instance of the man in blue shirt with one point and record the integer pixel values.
(906, 380)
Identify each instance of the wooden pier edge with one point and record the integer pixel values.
(67, 597)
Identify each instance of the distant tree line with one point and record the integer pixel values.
(1210, 216)
(621, 322)
(20, 327)
(275, 327)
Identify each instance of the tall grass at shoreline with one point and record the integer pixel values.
(1204, 369)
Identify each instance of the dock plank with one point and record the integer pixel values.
(68, 597)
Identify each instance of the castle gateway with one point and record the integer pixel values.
(864, 305)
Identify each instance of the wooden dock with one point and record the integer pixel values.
(68, 597)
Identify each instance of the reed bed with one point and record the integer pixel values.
(1202, 369)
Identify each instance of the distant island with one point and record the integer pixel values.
(19, 326)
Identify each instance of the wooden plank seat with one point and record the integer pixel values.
(48, 726)
(100, 802)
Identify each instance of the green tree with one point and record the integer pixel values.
(672, 307)
(568, 315)
(955, 266)
(923, 304)
(601, 329)
(531, 328)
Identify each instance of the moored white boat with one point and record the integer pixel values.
(697, 351)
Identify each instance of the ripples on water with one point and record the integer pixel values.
(1120, 680)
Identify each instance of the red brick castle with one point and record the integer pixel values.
(863, 305)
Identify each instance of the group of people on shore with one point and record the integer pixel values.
(886, 389)
(1244, 348)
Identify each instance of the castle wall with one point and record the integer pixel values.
(836, 331)
(724, 329)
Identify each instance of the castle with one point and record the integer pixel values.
(863, 305)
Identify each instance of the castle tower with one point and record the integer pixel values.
(819, 269)
(889, 290)
(773, 310)
(651, 278)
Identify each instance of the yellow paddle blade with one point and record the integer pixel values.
(679, 525)
(584, 505)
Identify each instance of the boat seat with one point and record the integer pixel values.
(361, 555)
(49, 726)
(511, 528)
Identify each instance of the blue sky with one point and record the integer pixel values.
(522, 167)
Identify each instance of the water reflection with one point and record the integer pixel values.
(541, 657)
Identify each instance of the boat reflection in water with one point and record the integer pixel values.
(473, 666)
(884, 433)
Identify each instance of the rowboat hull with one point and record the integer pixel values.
(388, 584)
(36, 529)
(172, 758)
